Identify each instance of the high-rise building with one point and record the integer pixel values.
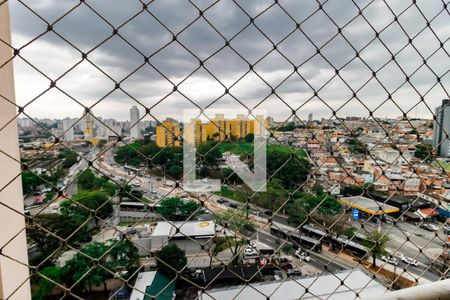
(200, 132)
(135, 130)
(67, 128)
(239, 126)
(310, 118)
(168, 134)
(441, 129)
(88, 131)
(218, 129)
(269, 122)
(26, 122)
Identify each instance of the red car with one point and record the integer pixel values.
(39, 200)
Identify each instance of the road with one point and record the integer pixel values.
(318, 261)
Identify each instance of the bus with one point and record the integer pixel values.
(278, 232)
(358, 238)
(353, 248)
(305, 242)
(131, 170)
(314, 232)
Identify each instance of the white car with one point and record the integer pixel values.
(295, 272)
(409, 260)
(302, 255)
(391, 260)
(250, 251)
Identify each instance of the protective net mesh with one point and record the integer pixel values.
(356, 195)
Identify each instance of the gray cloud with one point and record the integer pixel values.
(86, 30)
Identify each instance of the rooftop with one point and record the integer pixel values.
(322, 287)
(369, 206)
(152, 283)
(189, 228)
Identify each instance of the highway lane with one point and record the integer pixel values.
(317, 260)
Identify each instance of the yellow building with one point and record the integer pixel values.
(259, 125)
(168, 134)
(239, 126)
(200, 132)
(218, 129)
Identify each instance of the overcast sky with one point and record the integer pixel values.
(87, 84)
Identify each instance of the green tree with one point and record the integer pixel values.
(38, 232)
(136, 195)
(118, 257)
(78, 269)
(124, 192)
(45, 286)
(97, 201)
(318, 189)
(175, 171)
(124, 256)
(81, 204)
(356, 147)
(171, 260)
(288, 167)
(423, 151)
(273, 197)
(296, 213)
(176, 209)
(227, 175)
(249, 138)
(30, 181)
(375, 244)
(70, 158)
(208, 154)
(86, 180)
(352, 190)
(306, 203)
(241, 228)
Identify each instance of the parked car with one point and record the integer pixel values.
(295, 272)
(222, 201)
(391, 260)
(446, 228)
(302, 255)
(268, 213)
(250, 251)
(204, 211)
(408, 260)
(429, 227)
(233, 205)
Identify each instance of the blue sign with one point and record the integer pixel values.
(355, 214)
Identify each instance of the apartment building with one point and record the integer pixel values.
(168, 134)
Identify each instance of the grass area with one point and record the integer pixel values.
(241, 147)
(147, 200)
(236, 147)
(286, 149)
(222, 243)
(444, 165)
(232, 194)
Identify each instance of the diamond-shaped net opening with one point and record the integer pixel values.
(356, 122)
